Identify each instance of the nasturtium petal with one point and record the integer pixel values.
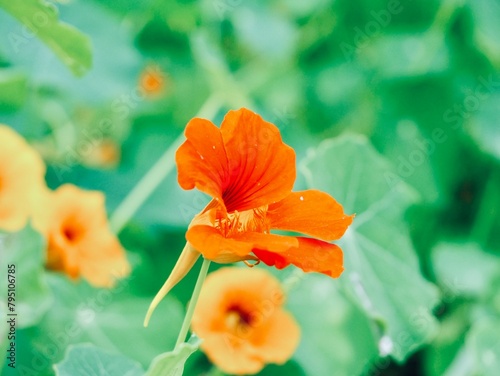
(311, 255)
(261, 166)
(213, 245)
(209, 241)
(382, 273)
(279, 337)
(201, 160)
(310, 212)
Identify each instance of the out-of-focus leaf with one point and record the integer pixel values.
(340, 84)
(13, 89)
(484, 344)
(345, 334)
(41, 18)
(484, 126)
(382, 273)
(411, 152)
(463, 269)
(462, 365)
(109, 318)
(486, 14)
(266, 32)
(25, 250)
(305, 8)
(87, 359)
(172, 362)
(446, 348)
(4, 329)
(403, 56)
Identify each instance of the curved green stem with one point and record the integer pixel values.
(192, 304)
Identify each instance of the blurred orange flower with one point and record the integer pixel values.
(22, 182)
(152, 81)
(79, 240)
(250, 172)
(104, 154)
(240, 318)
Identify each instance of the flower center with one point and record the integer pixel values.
(238, 321)
(253, 220)
(72, 232)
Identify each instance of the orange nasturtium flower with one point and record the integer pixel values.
(240, 318)
(22, 182)
(80, 242)
(249, 173)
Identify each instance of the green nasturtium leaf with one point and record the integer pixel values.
(25, 250)
(109, 318)
(485, 14)
(462, 365)
(397, 56)
(87, 359)
(345, 333)
(483, 125)
(483, 342)
(41, 18)
(382, 273)
(172, 363)
(452, 266)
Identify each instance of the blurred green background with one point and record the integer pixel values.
(391, 106)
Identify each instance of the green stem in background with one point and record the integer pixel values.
(158, 172)
(192, 304)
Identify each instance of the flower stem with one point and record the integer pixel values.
(192, 304)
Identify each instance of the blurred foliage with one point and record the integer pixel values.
(82, 360)
(417, 83)
(33, 296)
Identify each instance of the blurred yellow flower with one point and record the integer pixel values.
(240, 319)
(22, 183)
(80, 242)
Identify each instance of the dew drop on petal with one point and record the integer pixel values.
(213, 147)
(201, 156)
(301, 198)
